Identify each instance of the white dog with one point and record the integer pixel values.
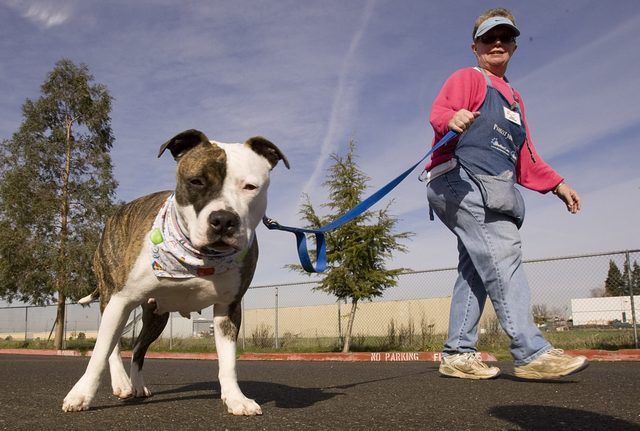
(182, 251)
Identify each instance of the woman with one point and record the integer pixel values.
(472, 190)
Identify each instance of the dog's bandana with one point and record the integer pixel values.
(173, 256)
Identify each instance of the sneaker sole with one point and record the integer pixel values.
(533, 375)
(452, 372)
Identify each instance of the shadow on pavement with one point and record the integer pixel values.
(284, 396)
(549, 418)
(571, 379)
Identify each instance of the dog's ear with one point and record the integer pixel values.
(183, 142)
(268, 150)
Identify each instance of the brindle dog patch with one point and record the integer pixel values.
(200, 176)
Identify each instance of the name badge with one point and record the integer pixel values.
(512, 116)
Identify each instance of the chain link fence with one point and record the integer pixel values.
(566, 292)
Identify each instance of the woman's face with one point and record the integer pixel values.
(494, 49)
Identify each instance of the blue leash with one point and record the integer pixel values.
(321, 247)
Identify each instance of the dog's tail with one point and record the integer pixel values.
(89, 298)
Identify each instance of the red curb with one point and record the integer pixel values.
(608, 355)
(592, 355)
(43, 352)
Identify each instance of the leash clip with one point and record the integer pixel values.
(270, 223)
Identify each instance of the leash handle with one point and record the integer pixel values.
(321, 251)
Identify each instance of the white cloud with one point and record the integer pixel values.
(46, 15)
(42, 13)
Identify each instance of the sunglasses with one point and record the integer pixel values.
(488, 39)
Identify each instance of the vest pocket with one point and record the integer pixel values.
(500, 195)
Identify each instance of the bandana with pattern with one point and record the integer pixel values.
(173, 256)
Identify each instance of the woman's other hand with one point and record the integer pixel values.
(569, 196)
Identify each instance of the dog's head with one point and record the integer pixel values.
(221, 189)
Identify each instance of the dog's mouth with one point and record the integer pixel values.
(219, 247)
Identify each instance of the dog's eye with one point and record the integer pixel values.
(250, 187)
(196, 182)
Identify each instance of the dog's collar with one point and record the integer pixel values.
(173, 255)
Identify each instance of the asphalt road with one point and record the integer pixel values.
(323, 396)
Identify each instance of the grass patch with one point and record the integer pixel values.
(77, 344)
(602, 339)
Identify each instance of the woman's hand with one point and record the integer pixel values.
(569, 196)
(462, 119)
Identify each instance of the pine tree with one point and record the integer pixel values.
(635, 278)
(614, 284)
(56, 188)
(356, 252)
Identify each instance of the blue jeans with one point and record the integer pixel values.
(490, 263)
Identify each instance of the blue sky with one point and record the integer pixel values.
(312, 75)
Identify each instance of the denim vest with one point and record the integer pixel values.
(488, 152)
(491, 145)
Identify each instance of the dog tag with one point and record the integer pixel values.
(156, 236)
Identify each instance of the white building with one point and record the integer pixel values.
(601, 311)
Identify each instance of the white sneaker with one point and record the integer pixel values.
(551, 365)
(467, 366)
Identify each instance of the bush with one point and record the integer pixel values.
(428, 338)
(402, 337)
(289, 340)
(262, 337)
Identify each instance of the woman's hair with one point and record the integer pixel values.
(491, 13)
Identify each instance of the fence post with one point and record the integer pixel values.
(631, 297)
(66, 325)
(339, 325)
(170, 331)
(26, 322)
(276, 330)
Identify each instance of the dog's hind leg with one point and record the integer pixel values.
(152, 326)
(226, 322)
(120, 383)
(113, 321)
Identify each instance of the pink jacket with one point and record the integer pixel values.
(466, 89)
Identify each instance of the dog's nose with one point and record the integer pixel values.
(224, 223)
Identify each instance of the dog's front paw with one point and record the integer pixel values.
(242, 406)
(80, 396)
(76, 402)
